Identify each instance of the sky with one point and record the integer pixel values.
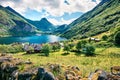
(57, 12)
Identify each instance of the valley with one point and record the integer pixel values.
(86, 49)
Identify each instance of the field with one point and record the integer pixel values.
(104, 59)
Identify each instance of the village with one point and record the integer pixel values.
(36, 48)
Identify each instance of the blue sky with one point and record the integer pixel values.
(56, 11)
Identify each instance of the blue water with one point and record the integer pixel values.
(31, 39)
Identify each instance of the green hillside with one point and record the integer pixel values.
(104, 17)
(42, 25)
(14, 25)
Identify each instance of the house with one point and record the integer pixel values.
(94, 39)
(30, 48)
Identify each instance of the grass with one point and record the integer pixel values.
(104, 59)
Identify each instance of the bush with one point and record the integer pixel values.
(89, 50)
(103, 44)
(46, 49)
(104, 37)
(79, 46)
(56, 47)
(67, 48)
(11, 48)
(71, 45)
(117, 38)
(83, 43)
(3, 49)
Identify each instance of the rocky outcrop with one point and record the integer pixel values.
(43, 75)
(15, 69)
(98, 75)
(22, 26)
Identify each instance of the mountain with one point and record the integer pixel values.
(105, 16)
(43, 25)
(61, 28)
(13, 11)
(12, 24)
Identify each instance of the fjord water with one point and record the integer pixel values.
(31, 39)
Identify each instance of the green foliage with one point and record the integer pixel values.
(104, 37)
(46, 49)
(67, 48)
(71, 45)
(101, 19)
(89, 50)
(3, 49)
(113, 31)
(83, 42)
(79, 46)
(103, 60)
(12, 24)
(56, 47)
(11, 48)
(103, 44)
(117, 38)
(22, 67)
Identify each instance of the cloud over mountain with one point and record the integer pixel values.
(52, 7)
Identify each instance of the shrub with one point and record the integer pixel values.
(89, 50)
(67, 48)
(56, 47)
(83, 43)
(3, 48)
(117, 38)
(11, 48)
(71, 45)
(79, 46)
(104, 37)
(46, 49)
(103, 44)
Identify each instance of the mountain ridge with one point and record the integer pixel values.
(42, 25)
(14, 25)
(20, 24)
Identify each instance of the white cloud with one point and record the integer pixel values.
(53, 7)
(62, 21)
(54, 21)
(67, 21)
(98, 1)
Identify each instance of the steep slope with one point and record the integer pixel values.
(43, 25)
(13, 11)
(103, 17)
(61, 28)
(14, 25)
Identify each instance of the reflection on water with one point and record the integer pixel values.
(31, 39)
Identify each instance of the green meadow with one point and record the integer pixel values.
(104, 59)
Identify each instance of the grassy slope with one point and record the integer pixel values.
(9, 20)
(104, 60)
(100, 19)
